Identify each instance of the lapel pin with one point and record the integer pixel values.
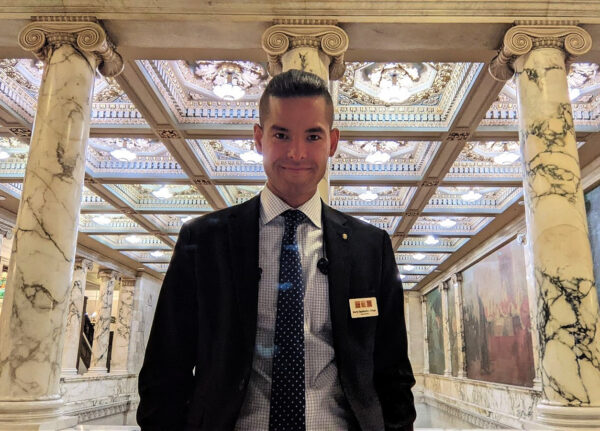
(345, 236)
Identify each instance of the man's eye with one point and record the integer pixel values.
(280, 136)
(314, 137)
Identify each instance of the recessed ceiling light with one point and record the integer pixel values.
(378, 157)
(471, 196)
(157, 253)
(251, 157)
(419, 256)
(402, 276)
(368, 196)
(229, 91)
(163, 193)
(4, 155)
(123, 155)
(430, 240)
(447, 223)
(395, 94)
(574, 93)
(506, 158)
(186, 218)
(133, 239)
(408, 267)
(102, 219)
(366, 220)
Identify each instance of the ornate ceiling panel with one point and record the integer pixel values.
(402, 95)
(234, 195)
(158, 267)
(421, 258)
(169, 223)
(584, 90)
(130, 158)
(400, 160)
(108, 223)
(156, 256)
(431, 245)
(408, 286)
(131, 242)
(410, 279)
(492, 161)
(409, 269)
(13, 157)
(161, 197)
(370, 199)
(449, 226)
(387, 223)
(492, 200)
(229, 159)
(20, 83)
(205, 91)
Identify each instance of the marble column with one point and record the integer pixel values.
(108, 279)
(443, 287)
(426, 335)
(41, 266)
(121, 340)
(568, 319)
(74, 317)
(311, 45)
(456, 281)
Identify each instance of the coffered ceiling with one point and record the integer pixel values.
(171, 138)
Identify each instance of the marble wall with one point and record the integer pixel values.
(453, 329)
(435, 334)
(144, 305)
(592, 206)
(497, 319)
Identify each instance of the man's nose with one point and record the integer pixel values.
(297, 149)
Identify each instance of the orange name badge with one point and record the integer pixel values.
(363, 307)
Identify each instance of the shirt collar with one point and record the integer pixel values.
(271, 206)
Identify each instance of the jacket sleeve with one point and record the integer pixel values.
(166, 377)
(393, 373)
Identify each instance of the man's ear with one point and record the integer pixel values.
(334, 137)
(258, 134)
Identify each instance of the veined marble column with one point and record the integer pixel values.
(74, 317)
(41, 266)
(120, 352)
(568, 319)
(456, 281)
(446, 329)
(426, 335)
(311, 45)
(108, 278)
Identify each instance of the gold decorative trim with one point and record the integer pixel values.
(20, 132)
(84, 33)
(521, 39)
(280, 38)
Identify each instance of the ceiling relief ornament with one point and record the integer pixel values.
(584, 90)
(130, 158)
(400, 159)
(420, 244)
(108, 224)
(421, 258)
(234, 195)
(229, 158)
(91, 202)
(156, 256)
(492, 200)
(449, 226)
(170, 223)
(161, 198)
(20, 81)
(370, 199)
(491, 161)
(387, 223)
(131, 242)
(13, 158)
(419, 95)
(204, 91)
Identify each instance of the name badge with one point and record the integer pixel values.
(363, 307)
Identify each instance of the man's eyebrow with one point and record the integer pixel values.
(278, 128)
(315, 130)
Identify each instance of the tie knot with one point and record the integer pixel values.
(293, 217)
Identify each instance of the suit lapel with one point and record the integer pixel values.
(338, 237)
(243, 243)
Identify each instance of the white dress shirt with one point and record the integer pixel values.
(326, 406)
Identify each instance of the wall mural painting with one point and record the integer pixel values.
(497, 319)
(453, 329)
(592, 206)
(435, 335)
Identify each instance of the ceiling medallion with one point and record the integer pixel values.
(229, 80)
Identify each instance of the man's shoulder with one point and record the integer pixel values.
(220, 218)
(352, 222)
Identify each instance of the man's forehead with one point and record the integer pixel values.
(278, 106)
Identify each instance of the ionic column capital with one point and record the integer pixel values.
(84, 33)
(330, 39)
(521, 39)
(108, 274)
(82, 263)
(456, 278)
(128, 282)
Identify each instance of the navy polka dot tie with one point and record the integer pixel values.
(287, 388)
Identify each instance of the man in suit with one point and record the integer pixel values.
(281, 313)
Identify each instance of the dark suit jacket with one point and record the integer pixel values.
(206, 320)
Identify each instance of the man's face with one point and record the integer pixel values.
(295, 141)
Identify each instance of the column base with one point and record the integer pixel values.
(565, 417)
(34, 416)
(68, 372)
(96, 371)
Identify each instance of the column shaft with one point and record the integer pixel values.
(426, 335)
(74, 317)
(121, 339)
(41, 265)
(456, 280)
(446, 329)
(108, 280)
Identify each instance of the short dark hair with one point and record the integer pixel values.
(294, 83)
